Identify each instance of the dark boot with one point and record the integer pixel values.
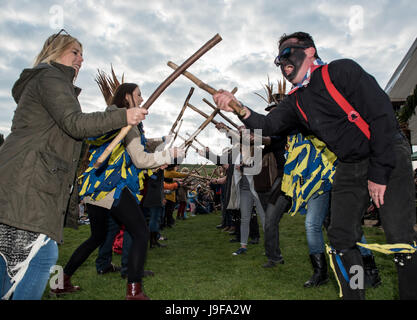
(372, 278)
(68, 287)
(343, 262)
(320, 275)
(407, 275)
(134, 292)
(154, 241)
(151, 240)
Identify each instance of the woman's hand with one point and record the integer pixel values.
(135, 115)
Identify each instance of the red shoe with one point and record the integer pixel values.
(134, 292)
(68, 287)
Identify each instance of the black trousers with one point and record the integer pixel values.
(128, 213)
(350, 198)
(169, 211)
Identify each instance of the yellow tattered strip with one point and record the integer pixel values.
(85, 186)
(116, 154)
(101, 195)
(108, 173)
(123, 170)
(329, 250)
(141, 177)
(387, 248)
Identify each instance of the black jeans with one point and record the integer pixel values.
(169, 211)
(128, 213)
(350, 198)
(273, 215)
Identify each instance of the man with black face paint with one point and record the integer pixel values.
(344, 106)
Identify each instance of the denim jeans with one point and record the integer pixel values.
(105, 251)
(34, 282)
(155, 217)
(317, 210)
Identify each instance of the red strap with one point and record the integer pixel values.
(352, 114)
(299, 108)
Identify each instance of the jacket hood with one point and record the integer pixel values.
(29, 73)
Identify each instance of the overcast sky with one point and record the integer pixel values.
(140, 37)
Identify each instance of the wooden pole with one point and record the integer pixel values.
(182, 110)
(176, 134)
(161, 88)
(236, 108)
(201, 128)
(221, 114)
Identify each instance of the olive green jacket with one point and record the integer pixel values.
(39, 159)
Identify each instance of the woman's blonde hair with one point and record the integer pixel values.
(54, 47)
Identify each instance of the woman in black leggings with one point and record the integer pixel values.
(115, 194)
(127, 213)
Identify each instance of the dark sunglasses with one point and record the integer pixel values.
(286, 53)
(55, 36)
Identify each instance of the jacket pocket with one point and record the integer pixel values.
(50, 173)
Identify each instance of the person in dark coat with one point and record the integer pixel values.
(345, 107)
(38, 163)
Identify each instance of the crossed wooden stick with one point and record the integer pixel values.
(161, 88)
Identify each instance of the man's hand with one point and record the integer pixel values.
(377, 191)
(135, 115)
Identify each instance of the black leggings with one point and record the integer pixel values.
(131, 216)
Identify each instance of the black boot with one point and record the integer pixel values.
(407, 275)
(344, 261)
(154, 241)
(320, 275)
(372, 278)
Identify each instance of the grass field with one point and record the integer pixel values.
(198, 265)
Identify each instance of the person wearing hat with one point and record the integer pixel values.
(345, 107)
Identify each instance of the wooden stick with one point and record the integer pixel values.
(123, 132)
(221, 114)
(236, 108)
(196, 140)
(176, 134)
(199, 177)
(201, 128)
(182, 110)
(192, 146)
(205, 115)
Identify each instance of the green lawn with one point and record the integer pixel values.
(198, 265)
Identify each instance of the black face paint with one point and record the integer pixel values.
(295, 59)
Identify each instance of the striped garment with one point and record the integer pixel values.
(309, 168)
(116, 173)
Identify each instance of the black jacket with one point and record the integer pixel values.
(154, 191)
(329, 122)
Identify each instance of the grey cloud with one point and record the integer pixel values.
(139, 37)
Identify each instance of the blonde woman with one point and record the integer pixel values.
(38, 163)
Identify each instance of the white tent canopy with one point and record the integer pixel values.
(402, 84)
(404, 79)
